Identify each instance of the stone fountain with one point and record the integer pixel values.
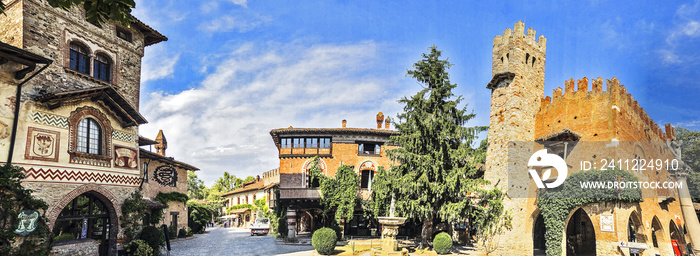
(390, 228)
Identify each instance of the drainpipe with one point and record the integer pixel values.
(15, 120)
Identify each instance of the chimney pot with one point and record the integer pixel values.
(380, 120)
(345, 123)
(387, 123)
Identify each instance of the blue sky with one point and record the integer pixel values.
(232, 70)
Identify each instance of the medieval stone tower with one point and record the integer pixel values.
(517, 88)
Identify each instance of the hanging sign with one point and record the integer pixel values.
(83, 233)
(27, 222)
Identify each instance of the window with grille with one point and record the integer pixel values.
(79, 59)
(102, 68)
(89, 134)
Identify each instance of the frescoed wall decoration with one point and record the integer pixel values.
(42, 145)
(165, 175)
(125, 157)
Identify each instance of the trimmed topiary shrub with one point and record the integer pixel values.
(154, 237)
(139, 248)
(182, 233)
(324, 240)
(442, 243)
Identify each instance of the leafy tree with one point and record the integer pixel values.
(690, 152)
(226, 183)
(133, 210)
(438, 167)
(97, 11)
(195, 187)
(199, 215)
(249, 179)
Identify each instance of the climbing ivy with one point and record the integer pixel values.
(241, 206)
(13, 199)
(165, 198)
(557, 203)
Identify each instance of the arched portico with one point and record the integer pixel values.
(92, 204)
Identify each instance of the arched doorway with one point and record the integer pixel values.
(87, 216)
(657, 232)
(538, 236)
(676, 239)
(580, 235)
(635, 231)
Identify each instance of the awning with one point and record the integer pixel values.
(239, 211)
(229, 217)
(107, 94)
(153, 204)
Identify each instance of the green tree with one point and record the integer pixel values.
(195, 187)
(226, 183)
(691, 156)
(133, 210)
(249, 179)
(97, 11)
(438, 169)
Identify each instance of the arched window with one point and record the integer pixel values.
(89, 137)
(86, 216)
(79, 59)
(102, 68)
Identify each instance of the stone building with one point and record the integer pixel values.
(163, 174)
(260, 188)
(363, 149)
(245, 195)
(76, 132)
(578, 124)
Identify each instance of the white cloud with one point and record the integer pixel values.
(243, 3)
(686, 29)
(228, 23)
(224, 123)
(158, 63)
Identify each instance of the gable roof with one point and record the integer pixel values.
(248, 186)
(107, 94)
(150, 155)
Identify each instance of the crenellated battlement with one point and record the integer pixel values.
(519, 32)
(576, 93)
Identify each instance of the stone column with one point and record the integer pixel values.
(691, 219)
(291, 223)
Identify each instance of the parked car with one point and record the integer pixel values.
(261, 226)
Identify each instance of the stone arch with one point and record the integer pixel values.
(657, 232)
(635, 224)
(676, 235)
(538, 232)
(305, 174)
(99, 192)
(366, 170)
(105, 157)
(579, 234)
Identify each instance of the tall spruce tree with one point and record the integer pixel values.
(438, 173)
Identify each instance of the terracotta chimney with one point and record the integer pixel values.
(345, 123)
(257, 177)
(380, 120)
(387, 123)
(162, 143)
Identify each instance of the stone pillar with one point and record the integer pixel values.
(291, 223)
(691, 219)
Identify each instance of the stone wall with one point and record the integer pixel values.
(47, 31)
(11, 29)
(151, 188)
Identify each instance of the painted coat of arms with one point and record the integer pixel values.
(27, 222)
(42, 144)
(125, 157)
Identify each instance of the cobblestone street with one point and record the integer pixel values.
(234, 241)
